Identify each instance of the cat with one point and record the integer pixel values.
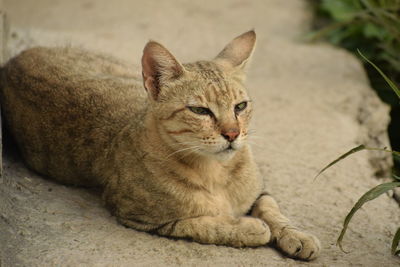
(168, 148)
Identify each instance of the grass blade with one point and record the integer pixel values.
(396, 241)
(384, 150)
(345, 155)
(370, 195)
(391, 84)
(352, 151)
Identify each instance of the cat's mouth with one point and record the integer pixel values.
(228, 149)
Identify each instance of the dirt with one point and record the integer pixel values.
(312, 103)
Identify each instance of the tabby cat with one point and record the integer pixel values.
(172, 159)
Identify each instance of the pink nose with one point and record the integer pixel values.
(230, 134)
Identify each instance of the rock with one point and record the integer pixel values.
(313, 102)
(3, 56)
(396, 194)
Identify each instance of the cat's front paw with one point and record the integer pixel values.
(252, 232)
(298, 244)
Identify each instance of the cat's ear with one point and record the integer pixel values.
(159, 66)
(238, 52)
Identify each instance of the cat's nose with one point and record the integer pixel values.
(230, 134)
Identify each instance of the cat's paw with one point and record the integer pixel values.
(298, 244)
(252, 232)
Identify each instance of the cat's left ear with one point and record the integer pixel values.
(238, 52)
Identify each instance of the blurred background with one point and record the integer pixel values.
(123, 27)
(373, 27)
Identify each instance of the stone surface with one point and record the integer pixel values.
(312, 103)
(3, 56)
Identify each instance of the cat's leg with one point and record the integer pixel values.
(287, 237)
(220, 230)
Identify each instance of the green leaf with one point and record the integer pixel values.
(391, 84)
(370, 195)
(345, 155)
(395, 242)
(343, 10)
(372, 30)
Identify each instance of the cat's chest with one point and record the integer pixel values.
(223, 194)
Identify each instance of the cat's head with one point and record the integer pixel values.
(201, 108)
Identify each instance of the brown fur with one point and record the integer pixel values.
(85, 119)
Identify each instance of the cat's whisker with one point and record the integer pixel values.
(181, 150)
(189, 152)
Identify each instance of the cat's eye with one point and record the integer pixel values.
(200, 110)
(241, 106)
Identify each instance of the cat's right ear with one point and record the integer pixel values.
(159, 66)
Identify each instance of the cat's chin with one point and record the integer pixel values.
(226, 153)
(221, 155)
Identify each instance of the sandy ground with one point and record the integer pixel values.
(313, 102)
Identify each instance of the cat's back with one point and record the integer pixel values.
(64, 105)
(63, 68)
